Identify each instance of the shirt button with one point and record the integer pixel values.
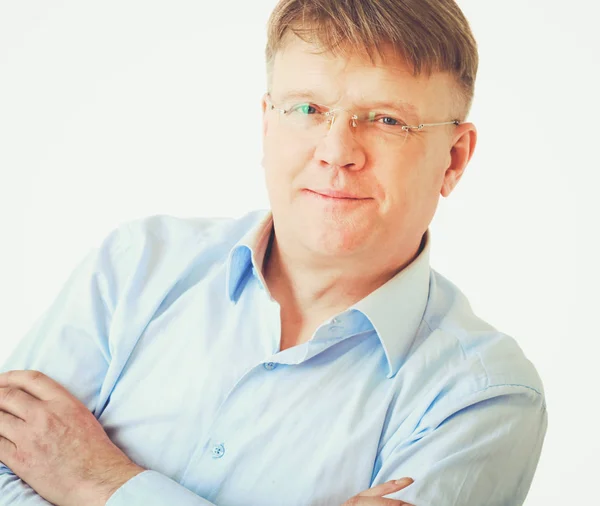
(269, 366)
(218, 451)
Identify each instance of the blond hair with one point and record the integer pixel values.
(431, 35)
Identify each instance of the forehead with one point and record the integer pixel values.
(355, 79)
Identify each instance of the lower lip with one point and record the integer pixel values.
(338, 200)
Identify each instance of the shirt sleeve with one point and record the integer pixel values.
(154, 489)
(69, 341)
(482, 451)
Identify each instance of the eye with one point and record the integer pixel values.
(382, 119)
(388, 120)
(306, 109)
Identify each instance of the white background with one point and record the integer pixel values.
(111, 111)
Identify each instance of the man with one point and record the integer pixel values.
(303, 356)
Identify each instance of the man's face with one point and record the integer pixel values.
(397, 181)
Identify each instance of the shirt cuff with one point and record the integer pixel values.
(150, 488)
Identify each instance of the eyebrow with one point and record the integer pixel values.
(404, 107)
(399, 105)
(298, 95)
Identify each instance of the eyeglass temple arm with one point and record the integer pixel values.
(423, 125)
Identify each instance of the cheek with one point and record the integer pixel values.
(407, 186)
(283, 159)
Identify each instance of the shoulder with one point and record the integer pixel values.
(149, 255)
(478, 359)
(162, 229)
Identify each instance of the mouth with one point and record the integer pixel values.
(336, 195)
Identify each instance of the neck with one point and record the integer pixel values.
(309, 294)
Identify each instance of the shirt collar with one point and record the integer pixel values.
(247, 256)
(395, 309)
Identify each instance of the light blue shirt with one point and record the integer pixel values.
(168, 334)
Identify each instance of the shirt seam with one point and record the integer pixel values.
(487, 374)
(514, 385)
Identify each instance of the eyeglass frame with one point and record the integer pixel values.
(331, 112)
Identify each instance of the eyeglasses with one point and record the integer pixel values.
(310, 119)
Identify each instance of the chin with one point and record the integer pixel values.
(332, 240)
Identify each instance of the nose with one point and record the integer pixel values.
(340, 147)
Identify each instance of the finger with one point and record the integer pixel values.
(387, 488)
(10, 426)
(7, 450)
(375, 501)
(34, 383)
(17, 402)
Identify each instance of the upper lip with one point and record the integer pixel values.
(338, 194)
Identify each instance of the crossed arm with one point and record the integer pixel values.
(61, 455)
(56, 452)
(54, 449)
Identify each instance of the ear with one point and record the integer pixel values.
(264, 106)
(463, 146)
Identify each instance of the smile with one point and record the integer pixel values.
(335, 197)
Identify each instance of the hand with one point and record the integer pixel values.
(374, 496)
(55, 444)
